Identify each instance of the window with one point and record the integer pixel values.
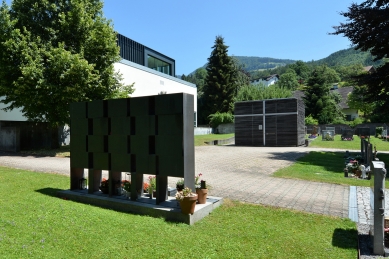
(159, 65)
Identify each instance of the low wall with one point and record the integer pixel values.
(225, 128)
(10, 139)
(203, 130)
(339, 127)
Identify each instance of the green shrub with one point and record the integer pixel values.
(220, 118)
(311, 121)
(378, 131)
(355, 122)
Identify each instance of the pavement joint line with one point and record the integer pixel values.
(286, 191)
(329, 199)
(313, 198)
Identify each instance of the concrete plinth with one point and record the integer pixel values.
(168, 209)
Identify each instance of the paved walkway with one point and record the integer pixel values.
(238, 173)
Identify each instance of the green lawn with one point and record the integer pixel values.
(323, 167)
(34, 223)
(350, 145)
(201, 139)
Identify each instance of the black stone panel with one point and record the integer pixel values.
(243, 108)
(170, 166)
(79, 159)
(120, 126)
(287, 105)
(101, 161)
(170, 125)
(257, 133)
(97, 144)
(257, 107)
(117, 144)
(146, 135)
(78, 144)
(140, 145)
(117, 108)
(171, 145)
(79, 126)
(271, 106)
(142, 124)
(169, 104)
(121, 162)
(78, 110)
(243, 131)
(139, 106)
(101, 126)
(96, 109)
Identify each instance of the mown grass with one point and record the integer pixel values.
(201, 139)
(34, 223)
(350, 145)
(324, 167)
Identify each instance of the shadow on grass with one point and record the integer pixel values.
(53, 192)
(345, 238)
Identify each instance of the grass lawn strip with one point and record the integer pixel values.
(324, 167)
(34, 223)
(349, 145)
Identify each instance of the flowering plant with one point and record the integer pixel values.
(180, 181)
(197, 181)
(186, 192)
(126, 185)
(145, 187)
(104, 182)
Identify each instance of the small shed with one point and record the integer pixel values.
(273, 123)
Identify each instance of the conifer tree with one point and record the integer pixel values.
(221, 81)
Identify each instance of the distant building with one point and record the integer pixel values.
(351, 114)
(267, 81)
(369, 69)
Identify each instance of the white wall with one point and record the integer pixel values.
(151, 82)
(13, 115)
(147, 82)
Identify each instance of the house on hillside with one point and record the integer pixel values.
(267, 81)
(351, 114)
(369, 69)
(151, 71)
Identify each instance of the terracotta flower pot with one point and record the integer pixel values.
(188, 205)
(202, 195)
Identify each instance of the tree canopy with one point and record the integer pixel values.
(53, 53)
(367, 28)
(221, 81)
(320, 103)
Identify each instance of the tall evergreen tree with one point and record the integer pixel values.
(319, 102)
(221, 81)
(53, 53)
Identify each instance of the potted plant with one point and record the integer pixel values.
(152, 186)
(126, 185)
(201, 189)
(104, 186)
(187, 200)
(180, 185)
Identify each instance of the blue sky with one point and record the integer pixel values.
(185, 30)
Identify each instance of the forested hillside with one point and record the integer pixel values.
(347, 57)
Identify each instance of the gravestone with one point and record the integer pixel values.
(347, 134)
(328, 134)
(377, 203)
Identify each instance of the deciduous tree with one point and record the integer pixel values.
(367, 28)
(53, 53)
